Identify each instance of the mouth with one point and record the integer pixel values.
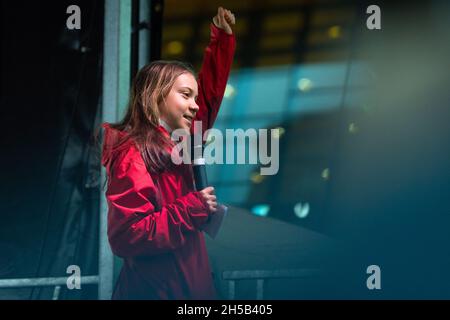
(188, 118)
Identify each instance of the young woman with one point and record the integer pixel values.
(155, 217)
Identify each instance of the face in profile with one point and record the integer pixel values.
(180, 104)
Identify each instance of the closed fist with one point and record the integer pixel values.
(224, 19)
(209, 198)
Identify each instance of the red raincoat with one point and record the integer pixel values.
(154, 221)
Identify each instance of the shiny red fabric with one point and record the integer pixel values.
(154, 221)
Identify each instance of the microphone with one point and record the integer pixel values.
(199, 166)
(215, 220)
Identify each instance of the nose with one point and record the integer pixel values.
(194, 107)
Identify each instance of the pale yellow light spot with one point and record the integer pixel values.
(277, 132)
(325, 174)
(304, 84)
(175, 47)
(353, 128)
(334, 32)
(229, 91)
(257, 178)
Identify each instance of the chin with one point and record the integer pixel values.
(185, 125)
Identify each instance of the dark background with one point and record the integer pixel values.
(50, 93)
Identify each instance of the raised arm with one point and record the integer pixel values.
(216, 66)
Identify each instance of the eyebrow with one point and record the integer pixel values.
(190, 90)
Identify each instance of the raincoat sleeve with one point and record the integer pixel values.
(135, 225)
(213, 75)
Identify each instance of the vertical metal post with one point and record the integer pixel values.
(231, 289)
(144, 34)
(259, 289)
(156, 20)
(116, 83)
(140, 36)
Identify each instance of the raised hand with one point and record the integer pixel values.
(224, 19)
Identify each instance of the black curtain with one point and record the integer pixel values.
(50, 98)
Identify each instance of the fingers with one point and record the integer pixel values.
(208, 190)
(225, 15)
(210, 198)
(221, 16)
(212, 206)
(224, 19)
(229, 17)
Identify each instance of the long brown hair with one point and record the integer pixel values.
(149, 90)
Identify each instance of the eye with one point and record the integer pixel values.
(185, 94)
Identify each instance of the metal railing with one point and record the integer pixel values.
(260, 276)
(56, 282)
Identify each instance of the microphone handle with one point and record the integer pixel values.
(200, 179)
